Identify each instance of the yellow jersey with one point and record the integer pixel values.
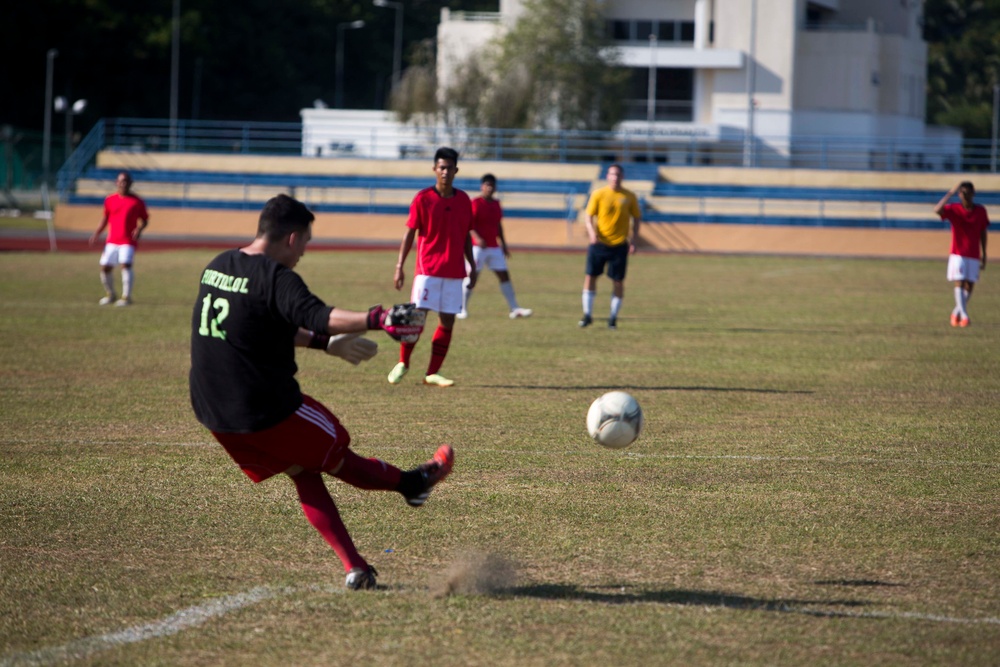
(614, 210)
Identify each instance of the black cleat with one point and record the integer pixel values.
(612, 322)
(585, 321)
(433, 472)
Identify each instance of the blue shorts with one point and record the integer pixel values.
(615, 256)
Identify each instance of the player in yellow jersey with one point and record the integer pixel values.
(613, 219)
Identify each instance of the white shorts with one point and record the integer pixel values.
(442, 295)
(489, 258)
(962, 268)
(117, 254)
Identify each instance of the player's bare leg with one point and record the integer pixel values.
(107, 281)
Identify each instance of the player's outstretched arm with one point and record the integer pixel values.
(351, 347)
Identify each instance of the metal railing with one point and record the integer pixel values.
(671, 147)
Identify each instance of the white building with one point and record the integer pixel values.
(804, 78)
(777, 83)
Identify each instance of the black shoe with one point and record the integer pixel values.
(586, 321)
(612, 322)
(431, 473)
(361, 579)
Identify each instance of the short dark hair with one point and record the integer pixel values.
(969, 185)
(615, 165)
(445, 153)
(281, 216)
(489, 178)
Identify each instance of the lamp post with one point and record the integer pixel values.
(61, 104)
(47, 134)
(748, 139)
(175, 61)
(397, 49)
(341, 27)
(651, 85)
(996, 122)
(50, 57)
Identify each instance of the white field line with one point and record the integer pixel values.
(171, 625)
(199, 614)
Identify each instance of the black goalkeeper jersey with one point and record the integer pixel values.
(243, 330)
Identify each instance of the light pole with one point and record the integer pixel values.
(50, 58)
(996, 121)
(175, 61)
(62, 105)
(341, 27)
(397, 49)
(748, 139)
(651, 85)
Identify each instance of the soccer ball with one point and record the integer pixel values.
(615, 420)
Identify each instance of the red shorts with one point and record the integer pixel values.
(311, 438)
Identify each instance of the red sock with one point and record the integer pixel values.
(322, 513)
(405, 350)
(368, 474)
(439, 349)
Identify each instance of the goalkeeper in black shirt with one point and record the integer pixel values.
(252, 311)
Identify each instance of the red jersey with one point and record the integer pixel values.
(123, 214)
(967, 228)
(486, 216)
(442, 226)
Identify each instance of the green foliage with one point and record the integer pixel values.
(963, 63)
(551, 69)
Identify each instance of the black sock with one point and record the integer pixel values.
(411, 482)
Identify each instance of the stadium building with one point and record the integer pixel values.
(776, 83)
(780, 71)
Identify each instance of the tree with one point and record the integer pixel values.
(554, 68)
(963, 63)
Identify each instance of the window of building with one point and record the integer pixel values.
(620, 30)
(674, 94)
(639, 30)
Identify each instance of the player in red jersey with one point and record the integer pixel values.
(968, 233)
(440, 220)
(490, 247)
(252, 311)
(127, 216)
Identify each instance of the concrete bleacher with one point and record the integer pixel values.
(342, 185)
(700, 209)
(804, 197)
(541, 200)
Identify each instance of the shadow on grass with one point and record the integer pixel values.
(622, 595)
(749, 390)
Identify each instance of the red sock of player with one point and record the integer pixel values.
(322, 513)
(368, 474)
(439, 349)
(405, 350)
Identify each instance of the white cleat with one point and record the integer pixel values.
(462, 315)
(520, 312)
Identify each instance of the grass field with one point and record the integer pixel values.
(817, 482)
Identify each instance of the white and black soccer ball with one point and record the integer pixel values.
(615, 420)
